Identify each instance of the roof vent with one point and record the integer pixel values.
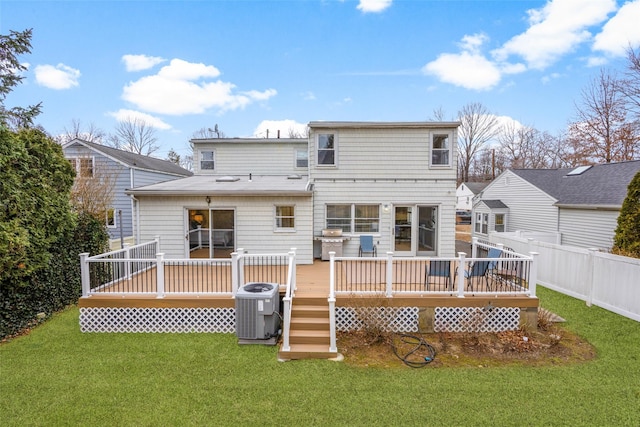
(579, 170)
(227, 179)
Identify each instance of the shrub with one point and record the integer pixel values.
(627, 237)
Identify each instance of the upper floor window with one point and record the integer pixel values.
(440, 150)
(499, 222)
(326, 149)
(285, 217)
(207, 160)
(302, 159)
(83, 166)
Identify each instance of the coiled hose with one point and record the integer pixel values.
(420, 353)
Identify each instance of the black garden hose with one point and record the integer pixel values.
(419, 356)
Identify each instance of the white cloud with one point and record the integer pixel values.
(466, 69)
(123, 115)
(284, 126)
(182, 88)
(555, 30)
(140, 62)
(473, 43)
(373, 6)
(621, 31)
(308, 96)
(59, 77)
(546, 79)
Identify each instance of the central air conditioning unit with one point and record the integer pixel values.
(257, 313)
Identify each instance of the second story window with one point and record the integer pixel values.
(207, 160)
(440, 150)
(83, 166)
(326, 149)
(302, 159)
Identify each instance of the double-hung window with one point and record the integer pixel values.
(354, 218)
(440, 150)
(111, 218)
(83, 166)
(285, 218)
(302, 159)
(326, 149)
(499, 222)
(207, 160)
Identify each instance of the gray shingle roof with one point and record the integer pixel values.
(494, 204)
(476, 187)
(600, 185)
(137, 161)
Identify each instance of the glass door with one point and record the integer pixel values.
(427, 230)
(222, 232)
(197, 237)
(402, 230)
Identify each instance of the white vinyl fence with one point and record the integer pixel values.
(608, 281)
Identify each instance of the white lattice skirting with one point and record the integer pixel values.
(476, 319)
(180, 320)
(390, 319)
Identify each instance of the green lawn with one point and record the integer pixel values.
(59, 376)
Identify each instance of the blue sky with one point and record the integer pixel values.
(252, 65)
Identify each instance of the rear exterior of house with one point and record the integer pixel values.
(572, 206)
(126, 170)
(395, 181)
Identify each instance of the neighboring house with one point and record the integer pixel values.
(127, 169)
(393, 180)
(580, 205)
(465, 194)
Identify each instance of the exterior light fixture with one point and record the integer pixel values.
(208, 199)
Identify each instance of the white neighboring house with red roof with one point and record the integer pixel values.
(580, 206)
(128, 170)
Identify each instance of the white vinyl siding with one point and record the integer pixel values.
(530, 208)
(257, 157)
(254, 232)
(588, 228)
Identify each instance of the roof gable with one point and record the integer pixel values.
(133, 160)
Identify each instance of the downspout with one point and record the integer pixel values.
(136, 224)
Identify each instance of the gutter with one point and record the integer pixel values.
(589, 207)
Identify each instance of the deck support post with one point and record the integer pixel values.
(461, 270)
(389, 288)
(533, 274)
(234, 273)
(287, 323)
(84, 274)
(333, 346)
(160, 274)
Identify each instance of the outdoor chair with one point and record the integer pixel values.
(438, 272)
(367, 246)
(481, 269)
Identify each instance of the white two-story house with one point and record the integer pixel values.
(395, 181)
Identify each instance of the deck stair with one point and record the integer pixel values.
(309, 337)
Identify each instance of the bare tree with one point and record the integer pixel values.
(135, 135)
(477, 126)
(631, 83)
(601, 131)
(90, 133)
(93, 187)
(294, 133)
(438, 115)
(209, 133)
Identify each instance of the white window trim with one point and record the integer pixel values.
(78, 164)
(335, 151)
(352, 218)
(275, 219)
(115, 218)
(200, 160)
(504, 223)
(450, 157)
(295, 159)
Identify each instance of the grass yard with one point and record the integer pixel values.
(59, 376)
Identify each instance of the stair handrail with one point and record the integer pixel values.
(287, 301)
(332, 304)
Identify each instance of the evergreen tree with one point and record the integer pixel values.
(627, 238)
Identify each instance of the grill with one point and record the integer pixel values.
(331, 242)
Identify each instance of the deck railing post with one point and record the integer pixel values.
(160, 274)
(533, 274)
(287, 323)
(84, 274)
(127, 265)
(461, 270)
(474, 247)
(234, 272)
(389, 279)
(240, 268)
(295, 272)
(333, 347)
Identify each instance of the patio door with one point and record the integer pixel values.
(415, 230)
(210, 233)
